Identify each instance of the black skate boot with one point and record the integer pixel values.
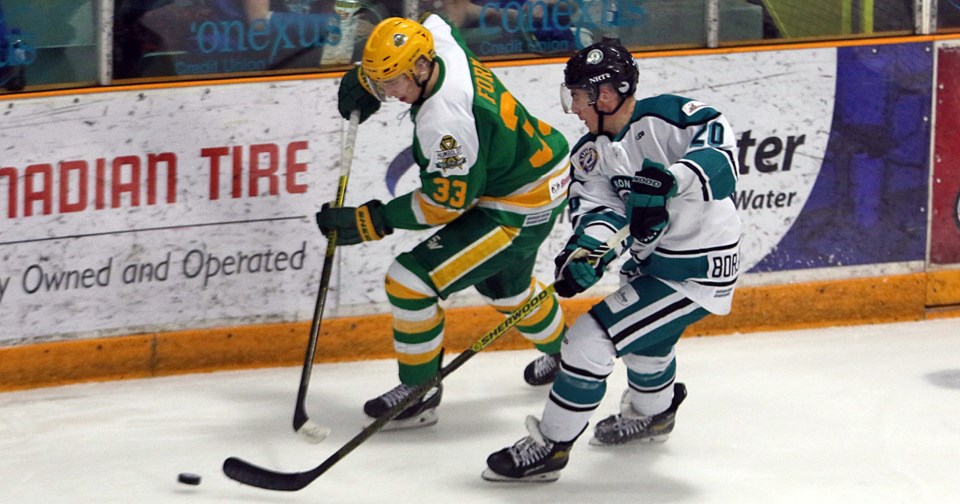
(543, 370)
(419, 414)
(632, 427)
(532, 459)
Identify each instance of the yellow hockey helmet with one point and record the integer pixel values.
(394, 47)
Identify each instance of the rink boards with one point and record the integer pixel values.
(170, 229)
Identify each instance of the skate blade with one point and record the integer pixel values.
(662, 438)
(547, 477)
(425, 419)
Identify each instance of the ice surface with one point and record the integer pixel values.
(846, 415)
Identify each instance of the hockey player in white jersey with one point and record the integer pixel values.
(665, 166)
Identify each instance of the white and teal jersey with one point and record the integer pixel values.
(477, 147)
(698, 252)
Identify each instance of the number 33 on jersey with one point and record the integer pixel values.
(493, 154)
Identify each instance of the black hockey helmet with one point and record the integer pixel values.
(600, 63)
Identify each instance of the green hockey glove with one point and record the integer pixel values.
(647, 203)
(353, 95)
(577, 272)
(354, 224)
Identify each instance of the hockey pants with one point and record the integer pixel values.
(641, 323)
(473, 250)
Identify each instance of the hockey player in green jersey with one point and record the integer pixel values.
(492, 175)
(665, 166)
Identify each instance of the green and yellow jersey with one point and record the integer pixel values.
(476, 146)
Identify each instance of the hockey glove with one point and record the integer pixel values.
(354, 224)
(650, 189)
(580, 265)
(352, 95)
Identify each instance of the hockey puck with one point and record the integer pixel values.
(189, 478)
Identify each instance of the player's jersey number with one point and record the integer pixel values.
(508, 113)
(450, 192)
(709, 134)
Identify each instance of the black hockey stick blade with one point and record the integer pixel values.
(253, 475)
(249, 474)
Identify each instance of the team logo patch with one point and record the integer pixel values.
(588, 158)
(622, 299)
(450, 154)
(692, 107)
(594, 57)
(559, 185)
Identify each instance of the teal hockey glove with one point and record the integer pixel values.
(353, 95)
(577, 272)
(354, 224)
(650, 189)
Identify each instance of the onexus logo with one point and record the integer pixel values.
(282, 31)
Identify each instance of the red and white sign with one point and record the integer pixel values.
(152, 210)
(945, 215)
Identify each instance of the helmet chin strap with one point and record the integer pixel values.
(423, 85)
(601, 114)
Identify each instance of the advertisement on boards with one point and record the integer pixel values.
(160, 209)
(868, 205)
(163, 209)
(945, 218)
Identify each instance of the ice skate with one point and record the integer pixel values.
(532, 459)
(422, 413)
(632, 427)
(543, 370)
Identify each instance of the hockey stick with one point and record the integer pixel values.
(302, 424)
(249, 474)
